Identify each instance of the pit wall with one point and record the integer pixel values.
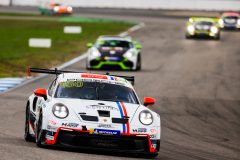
(218, 5)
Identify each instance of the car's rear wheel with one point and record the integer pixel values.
(27, 135)
(39, 131)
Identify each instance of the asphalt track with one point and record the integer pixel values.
(196, 84)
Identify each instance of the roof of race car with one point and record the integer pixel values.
(114, 38)
(230, 14)
(103, 78)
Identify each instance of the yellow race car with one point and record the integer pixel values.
(203, 27)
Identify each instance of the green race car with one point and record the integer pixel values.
(203, 27)
(114, 52)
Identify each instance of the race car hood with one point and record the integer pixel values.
(101, 109)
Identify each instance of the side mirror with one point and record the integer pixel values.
(148, 101)
(89, 45)
(134, 42)
(139, 47)
(41, 93)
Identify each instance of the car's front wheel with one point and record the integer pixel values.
(39, 131)
(139, 62)
(148, 155)
(27, 135)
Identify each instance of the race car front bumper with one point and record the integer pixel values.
(230, 26)
(203, 33)
(125, 64)
(129, 143)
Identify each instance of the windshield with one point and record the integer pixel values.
(95, 91)
(114, 43)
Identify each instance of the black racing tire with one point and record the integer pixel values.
(218, 36)
(87, 65)
(139, 62)
(39, 131)
(148, 155)
(187, 36)
(27, 135)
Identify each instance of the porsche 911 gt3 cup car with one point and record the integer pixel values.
(54, 8)
(114, 52)
(94, 112)
(203, 27)
(229, 20)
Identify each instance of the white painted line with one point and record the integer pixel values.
(63, 65)
(72, 29)
(40, 42)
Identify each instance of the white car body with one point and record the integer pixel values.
(74, 122)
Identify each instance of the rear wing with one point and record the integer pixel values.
(57, 72)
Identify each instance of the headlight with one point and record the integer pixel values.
(220, 21)
(95, 53)
(238, 22)
(69, 9)
(190, 20)
(129, 54)
(56, 8)
(146, 117)
(214, 29)
(60, 110)
(191, 29)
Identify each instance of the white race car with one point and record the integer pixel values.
(114, 52)
(91, 111)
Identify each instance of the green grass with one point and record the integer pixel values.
(16, 55)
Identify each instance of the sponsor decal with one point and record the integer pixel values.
(70, 124)
(54, 128)
(104, 132)
(50, 138)
(44, 105)
(94, 76)
(119, 79)
(140, 130)
(105, 120)
(152, 135)
(154, 144)
(111, 58)
(158, 116)
(70, 84)
(102, 107)
(153, 130)
(52, 122)
(105, 126)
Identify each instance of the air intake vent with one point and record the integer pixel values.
(119, 120)
(104, 113)
(89, 118)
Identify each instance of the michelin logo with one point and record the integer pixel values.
(104, 132)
